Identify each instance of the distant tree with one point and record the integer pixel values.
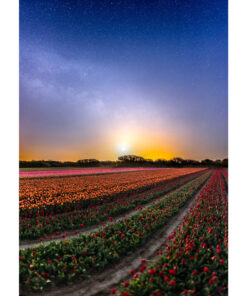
(161, 162)
(191, 163)
(89, 162)
(131, 158)
(178, 160)
(207, 162)
(225, 162)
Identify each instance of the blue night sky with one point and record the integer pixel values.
(104, 78)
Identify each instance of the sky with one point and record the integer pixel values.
(99, 79)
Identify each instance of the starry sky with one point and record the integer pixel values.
(99, 79)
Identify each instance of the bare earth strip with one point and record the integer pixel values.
(93, 228)
(100, 284)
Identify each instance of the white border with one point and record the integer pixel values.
(237, 146)
(9, 116)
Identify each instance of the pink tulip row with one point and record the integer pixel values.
(59, 172)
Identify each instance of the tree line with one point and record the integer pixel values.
(126, 161)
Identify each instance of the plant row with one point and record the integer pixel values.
(195, 262)
(48, 196)
(42, 226)
(68, 261)
(225, 177)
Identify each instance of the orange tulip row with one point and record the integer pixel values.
(57, 191)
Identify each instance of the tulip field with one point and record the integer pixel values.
(195, 261)
(125, 212)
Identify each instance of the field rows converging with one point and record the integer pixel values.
(75, 222)
(49, 266)
(195, 260)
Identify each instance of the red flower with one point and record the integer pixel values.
(34, 252)
(126, 293)
(84, 252)
(205, 269)
(126, 284)
(221, 261)
(142, 268)
(31, 266)
(166, 278)
(194, 272)
(113, 291)
(172, 283)
(28, 279)
(81, 225)
(132, 271)
(212, 280)
(152, 271)
(172, 271)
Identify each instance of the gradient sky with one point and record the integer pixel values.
(103, 78)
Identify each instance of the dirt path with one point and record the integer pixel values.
(101, 284)
(93, 228)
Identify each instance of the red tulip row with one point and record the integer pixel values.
(225, 174)
(75, 259)
(195, 262)
(54, 225)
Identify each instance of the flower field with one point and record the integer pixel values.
(46, 196)
(195, 262)
(192, 262)
(54, 225)
(70, 260)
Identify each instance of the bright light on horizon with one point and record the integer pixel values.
(123, 149)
